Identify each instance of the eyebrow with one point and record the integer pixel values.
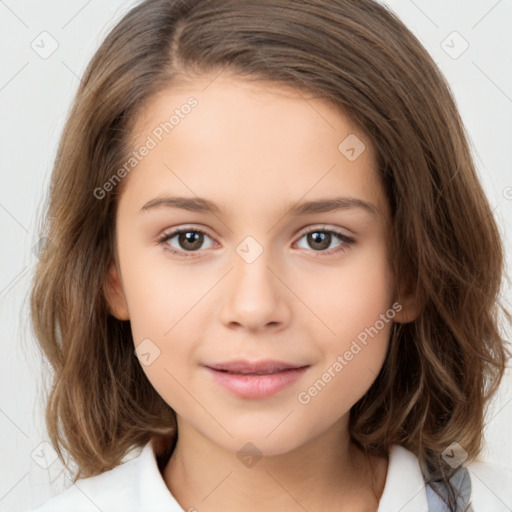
(201, 205)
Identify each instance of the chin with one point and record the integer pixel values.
(258, 441)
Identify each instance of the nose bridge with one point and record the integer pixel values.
(252, 263)
(254, 296)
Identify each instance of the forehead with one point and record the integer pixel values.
(268, 142)
(227, 103)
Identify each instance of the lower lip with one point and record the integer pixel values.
(257, 386)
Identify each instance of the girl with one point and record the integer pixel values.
(206, 355)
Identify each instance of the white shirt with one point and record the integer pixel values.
(138, 486)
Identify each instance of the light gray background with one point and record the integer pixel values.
(35, 96)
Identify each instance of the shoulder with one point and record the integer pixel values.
(96, 493)
(488, 486)
(134, 486)
(491, 487)
(483, 486)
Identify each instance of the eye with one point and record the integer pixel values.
(321, 239)
(188, 240)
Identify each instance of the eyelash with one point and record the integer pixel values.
(347, 241)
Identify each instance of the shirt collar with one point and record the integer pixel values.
(153, 489)
(404, 489)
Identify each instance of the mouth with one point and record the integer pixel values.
(256, 380)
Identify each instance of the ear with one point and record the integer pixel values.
(114, 294)
(407, 307)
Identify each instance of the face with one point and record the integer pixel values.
(258, 272)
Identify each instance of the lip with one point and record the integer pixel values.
(257, 379)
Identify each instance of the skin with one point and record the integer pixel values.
(255, 150)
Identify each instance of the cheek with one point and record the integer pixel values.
(353, 296)
(357, 306)
(161, 296)
(164, 306)
(349, 367)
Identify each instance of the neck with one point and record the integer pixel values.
(327, 473)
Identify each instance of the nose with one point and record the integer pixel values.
(254, 296)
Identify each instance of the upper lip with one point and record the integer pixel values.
(241, 366)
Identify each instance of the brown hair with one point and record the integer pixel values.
(441, 369)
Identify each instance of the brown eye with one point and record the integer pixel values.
(320, 240)
(184, 241)
(190, 240)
